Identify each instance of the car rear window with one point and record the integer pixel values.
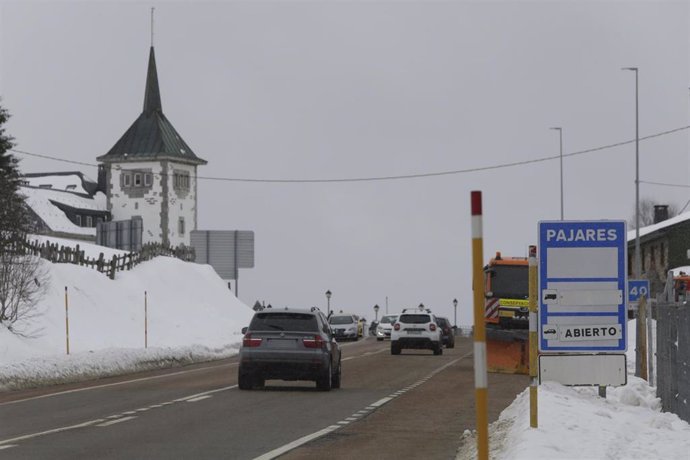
(298, 322)
(341, 320)
(387, 319)
(415, 319)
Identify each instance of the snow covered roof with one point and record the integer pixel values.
(39, 199)
(649, 229)
(68, 181)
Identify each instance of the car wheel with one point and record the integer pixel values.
(438, 349)
(395, 348)
(380, 339)
(451, 344)
(335, 380)
(244, 380)
(323, 382)
(259, 381)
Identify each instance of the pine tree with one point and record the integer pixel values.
(13, 222)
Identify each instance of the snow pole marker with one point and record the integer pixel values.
(146, 321)
(480, 370)
(533, 339)
(66, 321)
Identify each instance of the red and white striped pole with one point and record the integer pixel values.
(480, 372)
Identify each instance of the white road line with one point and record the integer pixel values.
(8, 446)
(199, 398)
(129, 412)
(381, 401)
(348, 358)
(118, 420)
(294, 444)
(305, 439)
(186, 398)
(143, 409)
(54, 430)
(125, 382)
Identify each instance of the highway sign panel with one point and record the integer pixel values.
(582, 286)
(584, 369)
(637, 289)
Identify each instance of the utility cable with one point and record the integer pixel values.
(400, 177)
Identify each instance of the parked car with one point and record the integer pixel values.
(385, 326)
(345, 326)
(289, 344)
(447, 332)
(416, 328)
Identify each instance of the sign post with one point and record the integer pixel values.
(582, 299)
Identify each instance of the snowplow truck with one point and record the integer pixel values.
(506, 314)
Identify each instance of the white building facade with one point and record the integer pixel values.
(151, 173)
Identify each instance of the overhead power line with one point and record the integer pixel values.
(396, 177)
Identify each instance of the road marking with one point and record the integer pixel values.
(124, 382)
(109, 420)
(54, 430)
(294, 444)
(199, 398)
(305, 439)
(118, 420)
(381, 402)
(8, 446)
(348, 358)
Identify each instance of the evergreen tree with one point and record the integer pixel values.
(13, 222)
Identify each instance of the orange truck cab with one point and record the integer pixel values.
(506, 289)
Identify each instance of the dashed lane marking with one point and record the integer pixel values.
(54, 430)
(199, 398)
(117, 420)
(8, 446)
(353, 418)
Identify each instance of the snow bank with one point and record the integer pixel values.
(192, 316)
(574, 422)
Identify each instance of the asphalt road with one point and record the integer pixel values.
(415, 405)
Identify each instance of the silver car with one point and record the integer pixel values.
(289, 344)
(383, 330)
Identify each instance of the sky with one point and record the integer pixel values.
(360, 89)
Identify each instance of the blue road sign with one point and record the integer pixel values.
(636, 289)
(582, 286)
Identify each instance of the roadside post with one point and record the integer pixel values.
(146, 321)
(480, 371)
(582, 303)
(533, 339)
(66, 321)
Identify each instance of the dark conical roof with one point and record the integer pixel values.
(151, 136)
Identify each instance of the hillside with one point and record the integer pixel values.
(192, 316)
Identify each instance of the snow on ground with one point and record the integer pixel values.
(192, 316)
(575, 423)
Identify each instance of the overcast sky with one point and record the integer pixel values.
(334, 90)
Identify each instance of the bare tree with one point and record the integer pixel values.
(23, 277)
(647, 212)
(24, 282)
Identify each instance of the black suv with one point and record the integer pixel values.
(447, 332)
(289, 344)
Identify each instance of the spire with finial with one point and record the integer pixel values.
(152, 97)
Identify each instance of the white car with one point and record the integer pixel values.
(416, 328)
(385, 326)
(345, 326)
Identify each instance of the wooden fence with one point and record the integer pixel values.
(76, 256)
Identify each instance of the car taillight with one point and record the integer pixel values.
(432, 327)
(397, 326)
(315, 342)
(249, 341)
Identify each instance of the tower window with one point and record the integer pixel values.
(180, 226)
(137, 180)
(148, 179)
(127, 180)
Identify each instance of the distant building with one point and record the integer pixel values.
(663, 245)
(64, 204)
(151, 173)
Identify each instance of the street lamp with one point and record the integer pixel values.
(421, 306)
(560, 135)
(376, 312)
(328, 299)
(455, 306)
(638, 262)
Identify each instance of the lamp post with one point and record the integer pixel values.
(455, 307)
(376, 312)
(560, 135)
(421, 306)
(328, 300)
(638, 263)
